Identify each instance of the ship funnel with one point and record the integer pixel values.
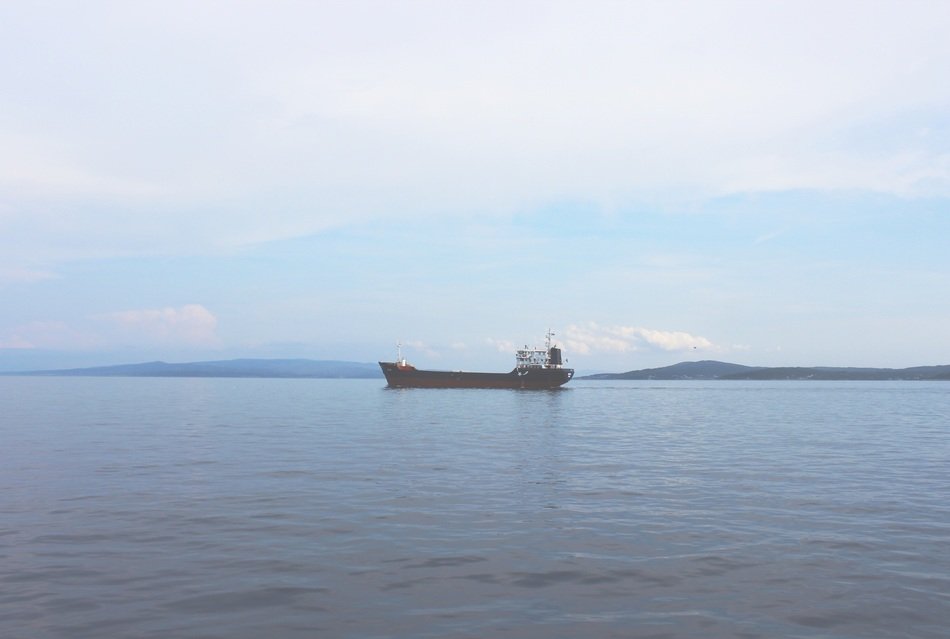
(554, 356)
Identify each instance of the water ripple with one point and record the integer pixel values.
(301, 508)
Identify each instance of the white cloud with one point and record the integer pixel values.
(282, 122)
(593, 338)
(671, 340)
(190, 325)
(418, 346)
(17, 274)
(501, 345)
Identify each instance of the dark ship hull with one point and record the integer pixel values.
(406, 376)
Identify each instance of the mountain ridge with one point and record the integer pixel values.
(715, 370)
(260, 368)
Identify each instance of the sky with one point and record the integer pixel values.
(766, 183)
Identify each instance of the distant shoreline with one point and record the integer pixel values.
(713, 370)
(235, 368)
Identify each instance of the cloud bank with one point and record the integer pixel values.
(592, 338)
(290, 118)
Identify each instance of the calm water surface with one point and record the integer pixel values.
(338, 508)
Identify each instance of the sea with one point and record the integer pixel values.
(316, 508)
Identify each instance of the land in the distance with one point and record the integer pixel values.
(333, 369)
(280, 368)
(709, 369)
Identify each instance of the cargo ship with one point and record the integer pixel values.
(535, 368)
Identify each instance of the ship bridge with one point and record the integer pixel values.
(547, 357)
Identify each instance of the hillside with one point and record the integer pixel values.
(708, 369)
(855, 374)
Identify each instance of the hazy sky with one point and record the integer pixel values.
(766, 183)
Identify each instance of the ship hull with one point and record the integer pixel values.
(536, 379)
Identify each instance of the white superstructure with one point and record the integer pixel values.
(547, 357)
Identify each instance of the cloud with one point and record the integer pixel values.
(264, 128)
(670, 340)
(501, 345)
(19, 275)
(593, 338)
(191, 325)
(419, 346)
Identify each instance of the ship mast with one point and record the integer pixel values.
(552, 354)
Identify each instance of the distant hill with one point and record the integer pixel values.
(856, 374)
(285, 368)
(708, 369)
